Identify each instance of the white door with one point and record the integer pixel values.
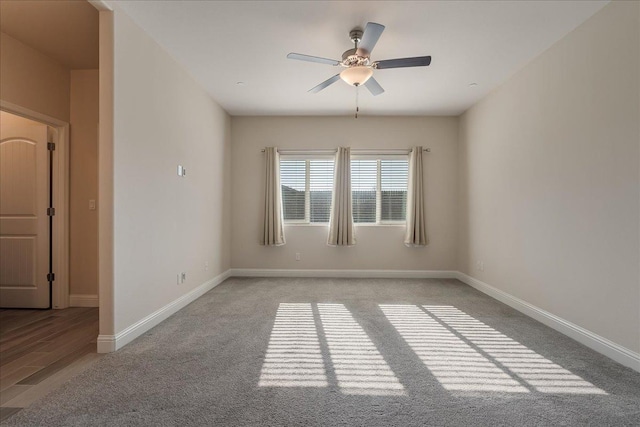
(24, 198)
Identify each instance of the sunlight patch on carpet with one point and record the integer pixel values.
(293, 356)
(537, 371)
(455, 364)
(358, 365)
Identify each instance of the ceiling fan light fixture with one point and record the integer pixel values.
(356, 76)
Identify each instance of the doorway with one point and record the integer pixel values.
(40, 347)
(51, 78)
(26, 213)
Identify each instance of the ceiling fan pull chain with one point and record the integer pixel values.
(357, 108)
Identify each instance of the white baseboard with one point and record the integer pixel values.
(594, 341)
(106, 343)
(83, 300)
(365, 274)
(109, 343)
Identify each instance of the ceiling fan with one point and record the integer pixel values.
(358, 67)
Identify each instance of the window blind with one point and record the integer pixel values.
(293, 182)
(320, 189)
(378, 187)
(379, 190)
(307, 186)
(394, 175)
(364, 185)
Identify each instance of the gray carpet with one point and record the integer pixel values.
(347, 352)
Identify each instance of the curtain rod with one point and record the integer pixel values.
(355, 150)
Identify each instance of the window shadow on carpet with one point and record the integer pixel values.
(323, 346)
(294, 356)
(358, 365)
(465, 354)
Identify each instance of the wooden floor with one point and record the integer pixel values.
(40, 350)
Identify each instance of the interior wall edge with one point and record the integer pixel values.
(106, 176)
(101, 5)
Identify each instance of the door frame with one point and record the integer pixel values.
(60, 293)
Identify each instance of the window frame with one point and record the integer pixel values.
(378, 158)
(307, 158)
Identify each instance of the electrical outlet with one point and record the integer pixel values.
(183, 277)
(297, 256)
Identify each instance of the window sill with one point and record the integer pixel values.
(319, 224)
(381, 225)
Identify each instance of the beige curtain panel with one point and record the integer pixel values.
(273, 228)
(416, 234)
(341, 231)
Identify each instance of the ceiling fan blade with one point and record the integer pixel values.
(373, 86)
(325, 83)
(418, 61)
(372, 33)
(308, 58)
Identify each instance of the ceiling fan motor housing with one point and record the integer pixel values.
(350, 58)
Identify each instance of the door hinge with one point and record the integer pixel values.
(51, 211)
(51, 146)
(51, 277)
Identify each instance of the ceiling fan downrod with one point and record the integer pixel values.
(356, 36)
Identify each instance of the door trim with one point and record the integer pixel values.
(60, 199)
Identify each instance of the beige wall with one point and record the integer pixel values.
(549, 167)
(164, 224)
(32, 80)
(378, 247)
(83, 183)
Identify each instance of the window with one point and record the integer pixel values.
(307, 185)
(379, 190)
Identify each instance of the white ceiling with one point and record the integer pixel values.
(64, 30)
(221, 43)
